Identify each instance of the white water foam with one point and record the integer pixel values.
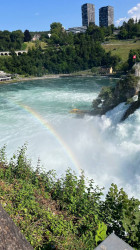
(108, 151)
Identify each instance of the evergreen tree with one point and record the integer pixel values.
(27, 36)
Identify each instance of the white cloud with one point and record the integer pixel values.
(121, 20)
(135, 12)
(132, 13)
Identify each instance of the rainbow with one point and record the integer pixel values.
(50, 128)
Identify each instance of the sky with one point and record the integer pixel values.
(37, 15)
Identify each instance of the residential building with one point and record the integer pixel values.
(88, 14)
(76, 30)
(106, 16)
(106, 70)
(116, 32)
(36, 37)
(4, 76)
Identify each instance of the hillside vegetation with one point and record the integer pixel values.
(34, 45)
(61, 52)
(66, 212)
(121, 48)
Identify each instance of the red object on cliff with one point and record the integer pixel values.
(134, 56)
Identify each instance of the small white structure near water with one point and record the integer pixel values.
(4, 76)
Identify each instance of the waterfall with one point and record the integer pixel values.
(38, 113)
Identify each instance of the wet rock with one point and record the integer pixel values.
(110, 97)
(10, 236)
(132, 108)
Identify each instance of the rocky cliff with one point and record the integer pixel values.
(126, 90)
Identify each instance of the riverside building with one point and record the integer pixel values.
(106, 16)
(76, 30)
(88, 14)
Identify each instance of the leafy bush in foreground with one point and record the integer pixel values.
(65, 213)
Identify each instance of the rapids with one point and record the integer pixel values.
(38, 113)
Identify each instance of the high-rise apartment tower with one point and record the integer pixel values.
(88, 14)
(106, 16)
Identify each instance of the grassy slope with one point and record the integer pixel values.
(30, 45)
(121, 48)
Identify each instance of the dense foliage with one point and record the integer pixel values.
(132, 61)
(13, 40)
(130, 29)
(65, 53)
(66, 212)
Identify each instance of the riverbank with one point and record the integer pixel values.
(30, 78)
(86, 73)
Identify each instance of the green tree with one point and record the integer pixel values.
(56, 28)
(132, 61)
(5, 40)
(95, 32)
(17, 38)
(123, 34)
(27, 36)
(122, 215)
(130, 29)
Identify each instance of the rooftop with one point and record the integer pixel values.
(113, 242)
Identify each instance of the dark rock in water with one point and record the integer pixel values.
(132, 108)
(102, 110)
(110, 97)
(10, 236)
